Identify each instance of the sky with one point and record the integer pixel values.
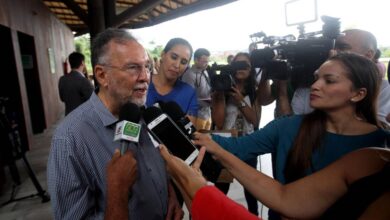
(228, 27)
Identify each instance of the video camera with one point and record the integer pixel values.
(284, 57)
(221, 76)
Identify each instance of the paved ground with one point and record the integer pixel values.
(32, 208)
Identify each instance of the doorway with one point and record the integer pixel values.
(9, 85)
(33, 85)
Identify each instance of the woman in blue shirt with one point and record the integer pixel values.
(165, 85)
(344, 97)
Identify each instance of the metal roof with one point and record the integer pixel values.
(130, 14)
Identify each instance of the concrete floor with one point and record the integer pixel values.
(32, 208)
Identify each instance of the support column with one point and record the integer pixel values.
(96, 17)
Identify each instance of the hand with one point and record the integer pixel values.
(236, 95)
(121, 171)
(188, 179)
(205, 141)
(121, 175)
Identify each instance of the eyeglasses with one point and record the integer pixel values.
(133, 69)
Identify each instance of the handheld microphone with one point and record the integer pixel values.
(127, 129)
(209, 167)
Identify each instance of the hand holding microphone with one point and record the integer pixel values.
(121, 174)
(127, 129)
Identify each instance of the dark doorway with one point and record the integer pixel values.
(9, 85)
(33, 85)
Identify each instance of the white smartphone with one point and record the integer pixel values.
(167, 133)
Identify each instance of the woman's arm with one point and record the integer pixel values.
(308, 197)
(246, 109)
(204, 202)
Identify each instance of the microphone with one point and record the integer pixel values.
(127, 129)
(173, 110)
(209, 167)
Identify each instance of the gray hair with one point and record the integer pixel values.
(99, 44)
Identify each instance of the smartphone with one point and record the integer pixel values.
(168, 133)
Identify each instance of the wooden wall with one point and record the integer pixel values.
(33, 18)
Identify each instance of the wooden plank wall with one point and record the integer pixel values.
(33, 18)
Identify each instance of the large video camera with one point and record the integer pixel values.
(221, 76)
(285, 57)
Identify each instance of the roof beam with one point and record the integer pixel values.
(179, 12)
(72, 5)
(135, 11)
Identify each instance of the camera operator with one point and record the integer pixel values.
(236, 109)
(356, 41)
(197, 76)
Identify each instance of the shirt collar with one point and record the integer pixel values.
(103, 113)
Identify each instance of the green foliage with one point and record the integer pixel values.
(155, 50)
(385, 51)
(83, 45)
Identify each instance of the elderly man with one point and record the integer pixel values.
(83, 145)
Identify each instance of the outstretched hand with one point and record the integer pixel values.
(188, 179)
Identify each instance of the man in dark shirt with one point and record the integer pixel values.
(74, 88)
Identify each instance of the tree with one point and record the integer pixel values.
(83, 45)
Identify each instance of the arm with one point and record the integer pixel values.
(211, 204)
(282, 101)
(204, 202)
(263, 93)
(308, 197)
(247, 110)
(121, 175)
(86, 89)
(60, 91)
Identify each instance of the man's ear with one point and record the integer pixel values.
(360, 94)
(100, 75)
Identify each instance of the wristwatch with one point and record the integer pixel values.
(242, 104)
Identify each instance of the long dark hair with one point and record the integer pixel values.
(364, 74)
(250, 82)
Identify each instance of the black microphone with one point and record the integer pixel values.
(128, 128)
(209, 167)
(173, 110)
(151, 113)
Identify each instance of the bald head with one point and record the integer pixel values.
(357, 41)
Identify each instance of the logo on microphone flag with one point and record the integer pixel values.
(126, 130)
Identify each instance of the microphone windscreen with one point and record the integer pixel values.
(173, 110)
(151, 113)
(130, 112)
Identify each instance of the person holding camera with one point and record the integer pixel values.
(236, 109)
(354, 41)
(344, 97)
(198, 77)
